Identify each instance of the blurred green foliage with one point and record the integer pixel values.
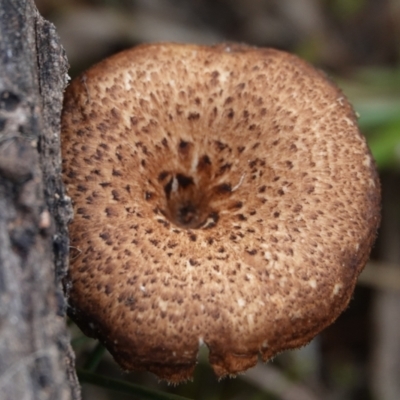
(346, 8)
(375, 95)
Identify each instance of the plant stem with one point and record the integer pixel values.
(94, 358)
(125, 387)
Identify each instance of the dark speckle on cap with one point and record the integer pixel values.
(223, 195)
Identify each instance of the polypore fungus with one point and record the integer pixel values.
(222, 195)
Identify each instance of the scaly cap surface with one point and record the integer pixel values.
(222, 195)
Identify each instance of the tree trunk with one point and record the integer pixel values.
(36, 360)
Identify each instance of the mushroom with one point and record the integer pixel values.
(223, 196)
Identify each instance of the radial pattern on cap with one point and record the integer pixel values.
(222, 195)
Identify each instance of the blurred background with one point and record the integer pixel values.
(357, 42)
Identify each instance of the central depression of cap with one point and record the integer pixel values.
(222, 195)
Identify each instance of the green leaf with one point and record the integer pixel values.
(385, 145)
(376, 112)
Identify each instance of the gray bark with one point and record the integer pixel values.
(36, 360)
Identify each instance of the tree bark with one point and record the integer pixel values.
(36, 360)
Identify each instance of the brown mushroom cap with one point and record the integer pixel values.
(222, 195)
